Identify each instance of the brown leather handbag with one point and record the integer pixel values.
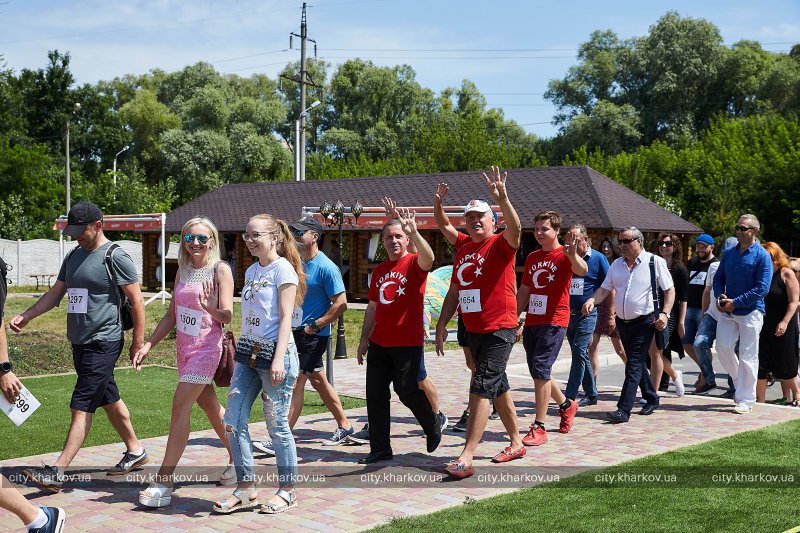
(222, 377)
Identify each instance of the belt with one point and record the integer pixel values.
(638, 319)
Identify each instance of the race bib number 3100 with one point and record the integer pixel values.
(77, 300)
(22, 408)
(189, 321)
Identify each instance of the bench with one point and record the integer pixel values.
(41, 277)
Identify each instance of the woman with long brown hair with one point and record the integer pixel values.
(266, 359)
(777, 345)
(669, 247)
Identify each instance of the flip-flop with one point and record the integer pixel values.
(459, 469)
(507, 455)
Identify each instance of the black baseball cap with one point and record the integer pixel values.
(308, 223)
(81, 214)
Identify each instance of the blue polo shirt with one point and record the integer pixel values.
(323, 282)
(744, 277)
(598, 268)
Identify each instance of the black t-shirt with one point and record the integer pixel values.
(697, 280)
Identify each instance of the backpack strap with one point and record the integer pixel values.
(656, 302)
(112, 275)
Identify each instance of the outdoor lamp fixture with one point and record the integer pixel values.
(300, 143)
(115, 164)
(336, 215)
(75, 108)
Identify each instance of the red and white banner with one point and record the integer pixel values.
(145, 222)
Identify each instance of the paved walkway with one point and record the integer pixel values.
(353, 497)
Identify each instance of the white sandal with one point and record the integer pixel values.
(156, 495)
(290, 499)
(248, 499)
(228, 477)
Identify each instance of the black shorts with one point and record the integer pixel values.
(461, 332)
(542, 344)
(491, 352)
(94, 363)
(310, 349)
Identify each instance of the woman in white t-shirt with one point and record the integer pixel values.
(266, 359)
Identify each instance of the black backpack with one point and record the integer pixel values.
(124, 305)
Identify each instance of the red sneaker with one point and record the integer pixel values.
(507, 455)
(535, 437)
(567, 416)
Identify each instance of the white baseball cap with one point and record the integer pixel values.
(478, 206)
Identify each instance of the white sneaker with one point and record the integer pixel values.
(264, 446)
(742, 408)
(678, 382)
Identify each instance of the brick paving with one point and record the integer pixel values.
(348, 500)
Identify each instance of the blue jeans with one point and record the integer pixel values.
(579, 334)
(706, 334)
(246, 383)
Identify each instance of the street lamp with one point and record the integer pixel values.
(300, 143)
(115, 164)
(75, 108)
(338, 218)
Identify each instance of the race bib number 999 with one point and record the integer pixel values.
(22, 408)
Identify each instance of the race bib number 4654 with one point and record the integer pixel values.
(470, 300)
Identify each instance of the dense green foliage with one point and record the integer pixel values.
(706, 130)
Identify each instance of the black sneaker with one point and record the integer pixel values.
(434, 440)
(129, 462)
(45, 477)
(443, 420)
(461, 425)
(55, 521)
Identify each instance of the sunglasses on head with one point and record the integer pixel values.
(190, 237)
(742, 228)
(626, 241)
(665, 244)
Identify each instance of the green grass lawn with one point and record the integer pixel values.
(149, 398)
(694, 502)
(42, 347)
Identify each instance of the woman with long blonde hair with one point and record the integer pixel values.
(201, 304)
(266, 359)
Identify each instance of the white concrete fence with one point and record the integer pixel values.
(42, 256)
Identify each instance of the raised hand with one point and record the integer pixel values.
(209, 299)
(496, 183)
(441, 192)
(571, 245)
(408, 222)
(390, 206)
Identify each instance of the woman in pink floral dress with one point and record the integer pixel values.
(201, 305)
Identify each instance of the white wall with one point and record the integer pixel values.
(42, 256)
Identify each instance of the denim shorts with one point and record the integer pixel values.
(310, 349)
(422, 373)
(542, 344)
(491, 352)
(94, 363)
(694, 315)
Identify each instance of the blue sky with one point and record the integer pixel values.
(510, 49)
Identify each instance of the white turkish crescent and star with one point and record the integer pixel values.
(535, 278)
(460, 273)
(382, 288)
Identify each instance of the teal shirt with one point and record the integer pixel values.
(86, 270)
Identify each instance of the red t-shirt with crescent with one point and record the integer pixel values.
(486, 267)
(398, 287)
(548, 275)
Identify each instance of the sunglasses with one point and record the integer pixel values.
(626, 241)
(299, 232)
(190, 237)
(665, 244)
(742, 228)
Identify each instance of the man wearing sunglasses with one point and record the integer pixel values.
(634, 276)
(742, 281)
(94, 328)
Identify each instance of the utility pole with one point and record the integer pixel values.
(303, 79)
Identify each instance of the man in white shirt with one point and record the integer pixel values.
(634, 276)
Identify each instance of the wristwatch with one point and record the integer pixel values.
(314, 326)
(5, 367)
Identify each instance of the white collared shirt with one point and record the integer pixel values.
(634, 296)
